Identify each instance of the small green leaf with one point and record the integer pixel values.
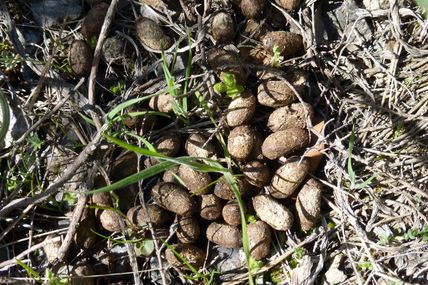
(298, 252)
(399, 129)
(254, 265)
(411, 234)
(251, 219)
(365, 265)
(229, 79)
(145, 247)
(220, 87)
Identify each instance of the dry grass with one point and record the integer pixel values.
(374, 226)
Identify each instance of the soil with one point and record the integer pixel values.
(305, 121)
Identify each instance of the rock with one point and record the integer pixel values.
(334, 275)
(223, 27)
(116, 50)
(94, 20)
(151, 34)
(49, 13)
(227, 260)
(80, 271)
(51, 249)
(337, 18)
(80, 58)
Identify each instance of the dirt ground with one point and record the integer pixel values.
(213, 142)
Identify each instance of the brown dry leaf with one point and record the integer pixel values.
(315, 155)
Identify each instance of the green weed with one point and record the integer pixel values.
(412, 234)
(228, 86)
(118, 88)
(365, 265)
(399, 129)
(179, 105)
(9, 61)
(277, 58)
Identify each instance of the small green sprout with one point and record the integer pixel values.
(277, 57)
(92, 42)
(399, 129)
(365, 265)
(229, 86)
(277, 275)
(117, 88)
(298, 252)
(251, 219)
(412, 234)
(9, 61)
(254, 265)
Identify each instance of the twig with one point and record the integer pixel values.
(15, 221)
(96, 60)
(187, 12)
(28, 251)
(55, 186)
(50, 113)
(36, 91)
(77, 213)
(239, 279)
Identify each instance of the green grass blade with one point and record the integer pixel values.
(351, 172)
(131, 147)
(210, 166)
(245, 242)
(87, 119)
(367, 182)
(182, 259)
(188, 72)
(149, 146)
(141, 113)
(30, 271)
(134, 178)
(122, 106)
